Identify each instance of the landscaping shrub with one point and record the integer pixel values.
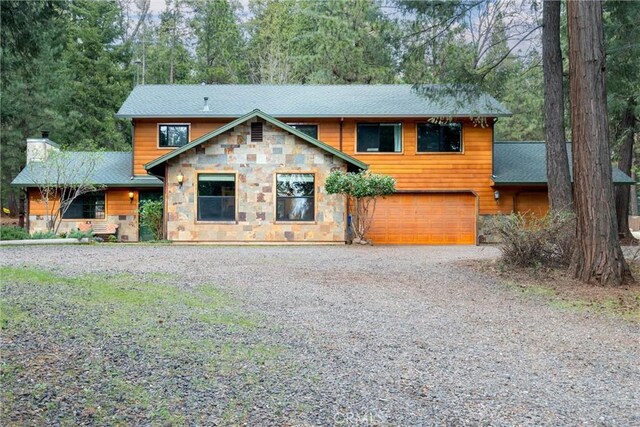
(362, 190)
(77, 234)
(530, 241)
(12, 232)
(44, 235)
(151, 216)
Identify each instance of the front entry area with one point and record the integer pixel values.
(425, 218)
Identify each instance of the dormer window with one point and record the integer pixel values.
(171, 136)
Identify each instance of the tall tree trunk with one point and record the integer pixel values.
(625, 153)
(558, 178)
(598, 256)
(633, 194)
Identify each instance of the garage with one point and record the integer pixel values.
(425, 218)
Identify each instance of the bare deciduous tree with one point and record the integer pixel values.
(60, 179)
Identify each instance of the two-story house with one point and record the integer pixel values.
(247, 163)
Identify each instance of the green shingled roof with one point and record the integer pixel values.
(308, 101)
(113, 169)
(525, 163)
(256, 113)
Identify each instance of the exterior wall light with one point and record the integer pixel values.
(496, 195)
(180, 178)
(131, 196)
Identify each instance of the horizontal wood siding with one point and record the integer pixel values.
(36, 205)
(117, 202)
(536, 203)
(469, 171)
(145, 142)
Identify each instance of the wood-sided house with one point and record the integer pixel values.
(247, 163)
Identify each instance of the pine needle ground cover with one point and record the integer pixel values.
(119, 349)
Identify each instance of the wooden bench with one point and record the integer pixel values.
(99, 228)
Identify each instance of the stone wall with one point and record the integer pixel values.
(255, 165)
(485, 232)
(127, 230)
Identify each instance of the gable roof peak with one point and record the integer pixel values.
(242, 119)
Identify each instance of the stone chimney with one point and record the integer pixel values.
(38, 149)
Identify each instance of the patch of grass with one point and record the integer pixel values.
(106, 341)
(564, 293)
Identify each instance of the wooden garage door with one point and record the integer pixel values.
(536, 203)
(435, 218)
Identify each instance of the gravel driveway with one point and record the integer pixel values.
(401, 335)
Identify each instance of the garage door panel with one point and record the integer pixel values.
(442, 218)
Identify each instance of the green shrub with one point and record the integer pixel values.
(39, 235)
(11, 232)
(530, 241)
(112, 239)
(151, 215)
(362, 189)
(78, 234)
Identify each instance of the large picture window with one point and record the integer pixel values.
(295, 197)
(216, 197)
(87, 206)
(379, 137)
(439, 138)
(311, 130)
(173, 135)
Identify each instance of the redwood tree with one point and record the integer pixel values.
(598, 256)
(558, 178)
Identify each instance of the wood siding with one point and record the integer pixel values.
(117, 203)
(145, 139)
(536, 203)
(467, 171)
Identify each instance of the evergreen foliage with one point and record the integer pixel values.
(67, 65)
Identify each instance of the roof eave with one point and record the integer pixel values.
(311, 116)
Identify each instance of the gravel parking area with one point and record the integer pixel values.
(389, 336)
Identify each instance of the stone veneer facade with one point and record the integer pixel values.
(255, 165)
(127, 225)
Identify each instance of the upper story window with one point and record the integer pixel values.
(439, 138)
(295, 198)
(216, 197)
(311, 130)
(379, 137)
(86, 206)
(170, 136)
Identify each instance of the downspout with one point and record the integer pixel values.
(133, 149)
(341, 123)
(166, 203)
(493, 145)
